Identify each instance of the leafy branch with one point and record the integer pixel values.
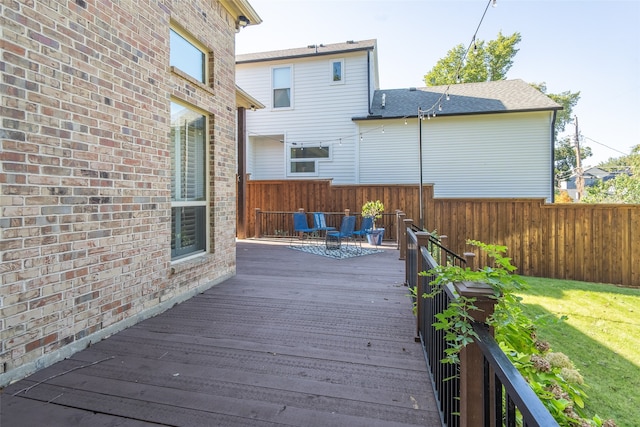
(552, 376)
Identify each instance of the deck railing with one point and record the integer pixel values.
(484, 389)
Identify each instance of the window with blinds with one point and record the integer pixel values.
(188, 181)
(281, 87)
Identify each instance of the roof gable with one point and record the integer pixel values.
(466, 98)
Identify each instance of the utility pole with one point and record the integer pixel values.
(579, 171)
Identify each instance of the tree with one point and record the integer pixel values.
(624, 188)
(564, 152)
(565, 158)
(563, 197)
(486, 62)
(567, 99)
(631, 162)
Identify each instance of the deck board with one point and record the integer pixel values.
(293, 339)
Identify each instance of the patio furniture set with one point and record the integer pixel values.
(332, 238)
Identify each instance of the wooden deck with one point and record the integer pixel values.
(294, 339)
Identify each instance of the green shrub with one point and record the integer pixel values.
(551, 375)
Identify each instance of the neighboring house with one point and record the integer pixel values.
(492, 139)
(310, 95)
(118, 166)
(591, 176)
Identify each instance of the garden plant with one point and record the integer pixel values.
(551, 374)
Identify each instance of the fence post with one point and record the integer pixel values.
(257, 232)
(471, 358)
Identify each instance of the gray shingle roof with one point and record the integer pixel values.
(312, 50)
(466, 98)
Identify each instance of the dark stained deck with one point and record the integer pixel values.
(294, 339)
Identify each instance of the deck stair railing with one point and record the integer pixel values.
(484, 389)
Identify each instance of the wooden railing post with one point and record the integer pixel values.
(401, 232)
(406, 222)
(257, 231)
(423, 240)
(471, 358)
(404, 250)
(470, 257)
(398, 225)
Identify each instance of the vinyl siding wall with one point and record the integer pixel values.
(498, 155)
(321, 112)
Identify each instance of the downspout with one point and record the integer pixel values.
(369, 81)
(553, 156)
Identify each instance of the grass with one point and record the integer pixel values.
(601, 336)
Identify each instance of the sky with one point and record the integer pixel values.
(590, 46)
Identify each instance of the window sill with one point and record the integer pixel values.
(178, 72)
(187, 263)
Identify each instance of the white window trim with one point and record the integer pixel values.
(331, 62)
(195, 43)
(316, 160)
(291, 94)
(207, 189)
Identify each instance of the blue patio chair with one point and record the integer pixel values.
(365, 228)
(320, 222)
(347, 227)
(301, 228)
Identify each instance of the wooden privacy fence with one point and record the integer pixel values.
(596, 243)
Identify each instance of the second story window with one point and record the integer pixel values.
(337, 71)
(281, 87)
(187, 56)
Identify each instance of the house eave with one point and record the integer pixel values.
(305, 55)
(244, 100)
(466, 113)
(239, 8)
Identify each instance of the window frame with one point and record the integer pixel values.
(315, 160)
(181, 254)
(342, 72)
(198, 46)
(273, 88)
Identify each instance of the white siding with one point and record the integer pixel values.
(322, 111)
(265, 159)
(486, 155)
(390, 157)
(500, 155)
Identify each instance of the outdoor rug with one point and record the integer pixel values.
(345, 252)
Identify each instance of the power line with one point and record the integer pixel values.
(604, 145)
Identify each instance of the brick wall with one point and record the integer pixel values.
(85, 185)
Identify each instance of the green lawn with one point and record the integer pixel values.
(601, 336)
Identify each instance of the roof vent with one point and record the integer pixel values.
(384, 99)
(412, 89)
(350, 42)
